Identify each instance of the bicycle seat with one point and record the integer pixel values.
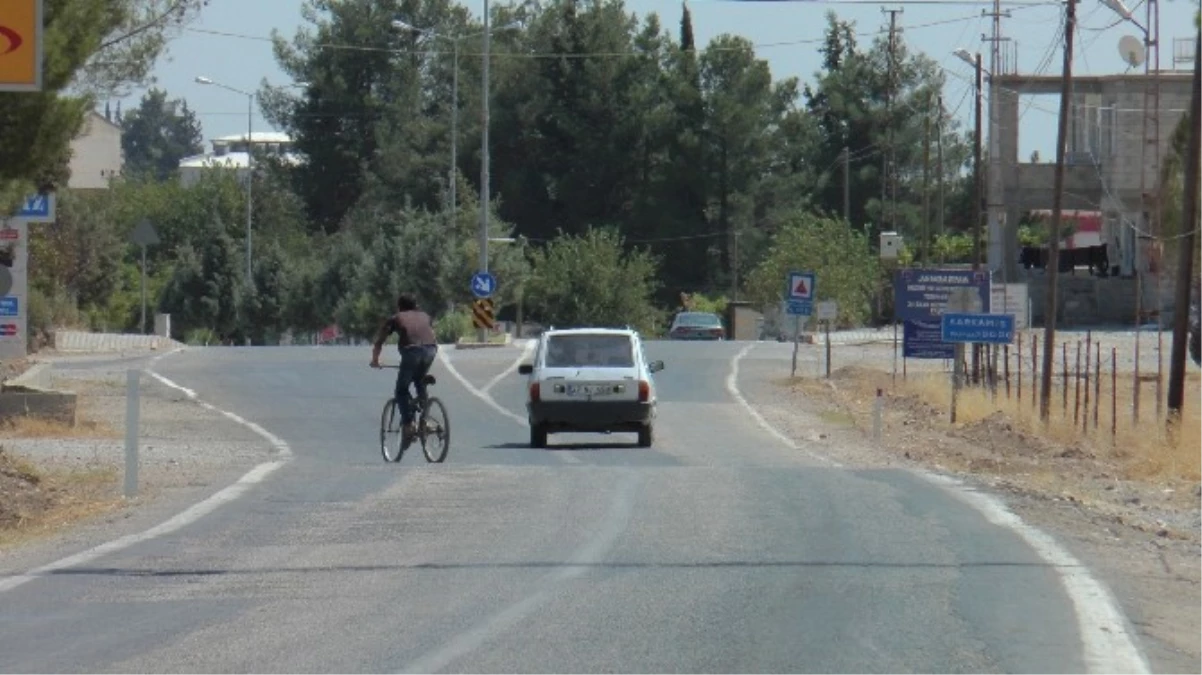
(428, 379)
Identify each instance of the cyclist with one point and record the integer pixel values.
(418, 347)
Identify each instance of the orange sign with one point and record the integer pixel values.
(20, 45)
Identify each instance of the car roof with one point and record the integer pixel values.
(590, 331)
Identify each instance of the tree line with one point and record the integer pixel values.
(628, 163)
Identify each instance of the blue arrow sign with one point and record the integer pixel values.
(483, 285)
(38, 208)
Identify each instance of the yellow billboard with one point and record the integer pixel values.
(20, 45)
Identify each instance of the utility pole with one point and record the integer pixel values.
(887, 156)
(999, 252)
(1049, 333)
(926, 184)
(939, 163)
(482, 333)
(1188, 247)
(978, 183)
(847, 185)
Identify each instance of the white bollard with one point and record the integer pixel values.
(878, 410)
(131, 433)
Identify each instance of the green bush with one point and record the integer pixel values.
(453, 325)
(47, 313)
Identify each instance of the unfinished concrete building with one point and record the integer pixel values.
(1106, 142)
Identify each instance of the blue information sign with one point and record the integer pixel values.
(924, 340)
(483, 285)
(922, 294)
(997, 329)
(8, 306)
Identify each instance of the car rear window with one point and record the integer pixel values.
(589, 351)
(698, 319)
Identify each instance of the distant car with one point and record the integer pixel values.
(697, 326)
(590, 380)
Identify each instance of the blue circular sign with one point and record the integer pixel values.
(483, 285)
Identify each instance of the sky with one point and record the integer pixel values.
(231, 44)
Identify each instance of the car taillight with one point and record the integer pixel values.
(644, 391)
(534, 392)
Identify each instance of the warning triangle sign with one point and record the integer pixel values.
(801, 289)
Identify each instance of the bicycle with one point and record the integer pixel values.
(432, 421)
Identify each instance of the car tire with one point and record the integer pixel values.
(538, 436)
(645, 437)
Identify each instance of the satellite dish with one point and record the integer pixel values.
(1132, 50)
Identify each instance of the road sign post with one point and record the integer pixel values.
(144, 235)
(961, 328)
(798, 302)
(827, 312)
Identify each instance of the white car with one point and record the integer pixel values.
(590, 380)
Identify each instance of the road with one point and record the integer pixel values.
(719, 550)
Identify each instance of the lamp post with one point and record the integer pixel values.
(454, 40)
(250, 166)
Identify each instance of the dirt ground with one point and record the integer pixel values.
(1131, 512)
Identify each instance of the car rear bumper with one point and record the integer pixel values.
(594, 416)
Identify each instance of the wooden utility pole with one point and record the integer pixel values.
(1049, 332)
(1188, 247)
(847, 185)
(939, 163)
(887, 156)
(978, 198)
(926, 184)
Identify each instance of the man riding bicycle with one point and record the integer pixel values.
(418, 347)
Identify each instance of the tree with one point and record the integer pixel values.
(840, 256)
(204, 291)
(590, 280)
(158, 134)
(264, 308)
(91, 47)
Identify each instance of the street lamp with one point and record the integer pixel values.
(975, 61)
(250, 166)
(1150, 206)
(484, 160)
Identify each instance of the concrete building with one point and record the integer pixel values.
(1106, 143)
(231, 152)
(96, 155)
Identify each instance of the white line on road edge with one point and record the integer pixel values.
(484, 396)
(732, 386)
(513, 367)
(1107, 643)
(608, 532)
(188, 516)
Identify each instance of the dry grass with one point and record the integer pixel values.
(34, 427)
(1145, 449)
(36, 501)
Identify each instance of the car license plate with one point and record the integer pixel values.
(588, 389)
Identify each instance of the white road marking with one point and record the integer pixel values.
(492, 403)
(1107, 643)
(512, 368)
(732, 386)
(610, 529)
(188, 516)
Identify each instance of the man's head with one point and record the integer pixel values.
(406, 302)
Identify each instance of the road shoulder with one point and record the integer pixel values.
(187, 453)
(1139, 537)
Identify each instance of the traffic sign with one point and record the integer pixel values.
(483, 285)
(799, 293)
(482, 314)
(21, 46)
(997, 329)
(828, 310)
(39, 208)
(144, 234)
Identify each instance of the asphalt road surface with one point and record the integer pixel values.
(720, 549)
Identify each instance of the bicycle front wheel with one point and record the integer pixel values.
(435, 431)
(390, 432)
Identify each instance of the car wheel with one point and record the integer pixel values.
(538, 436)
(645, 437)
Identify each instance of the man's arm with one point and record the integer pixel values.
(381, 335)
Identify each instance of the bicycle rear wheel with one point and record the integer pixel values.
(390, 432)
(435, 431)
